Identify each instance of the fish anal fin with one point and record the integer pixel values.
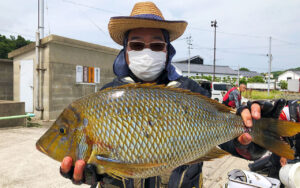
(212, 154)
(119, 168)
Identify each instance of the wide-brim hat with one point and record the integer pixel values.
(144, 15)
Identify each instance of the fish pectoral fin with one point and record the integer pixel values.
(212, 154)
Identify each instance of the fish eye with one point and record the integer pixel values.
(62, 130)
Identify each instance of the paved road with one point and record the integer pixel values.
(23, 166)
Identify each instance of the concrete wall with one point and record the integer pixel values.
(60, 56)
(12, 108)
(64, 56)
(6, 79)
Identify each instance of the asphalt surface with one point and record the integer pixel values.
(22, 165)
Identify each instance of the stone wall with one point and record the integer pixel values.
(6, 79)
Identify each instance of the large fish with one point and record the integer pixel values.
(144, 130)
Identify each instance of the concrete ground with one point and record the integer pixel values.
(23, 166)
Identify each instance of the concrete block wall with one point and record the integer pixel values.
(6, 79)
(64, 88)
(12, 108)
(64, 57)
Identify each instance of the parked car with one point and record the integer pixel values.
(218, 90)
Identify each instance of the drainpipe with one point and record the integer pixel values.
(40, 67)
(39, 100)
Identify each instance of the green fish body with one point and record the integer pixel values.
(143, 130)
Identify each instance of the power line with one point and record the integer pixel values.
(231, 51)
(229, 33)
(284, 41)
(91, 7)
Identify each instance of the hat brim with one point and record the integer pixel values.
(118, 26)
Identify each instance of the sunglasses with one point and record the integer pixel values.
(154, 46)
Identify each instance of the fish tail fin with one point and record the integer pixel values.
(268, 133)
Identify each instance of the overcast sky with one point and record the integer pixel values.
(244, 26)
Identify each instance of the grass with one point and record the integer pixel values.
(29, 123)
(274, 94)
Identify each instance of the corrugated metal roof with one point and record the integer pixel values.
(196, 68)
(249, 73)
(193, 60)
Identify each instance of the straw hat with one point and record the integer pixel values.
(144, 15)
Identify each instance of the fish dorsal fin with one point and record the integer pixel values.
(216, 104)
(212, 154)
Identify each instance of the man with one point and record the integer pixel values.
(146, 57)
(233, 97)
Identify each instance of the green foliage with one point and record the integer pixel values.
(243, 81)
(256, 79)
(217, 79)
(283, 84)
(244, 69)
(9, 44)
(277, 73)
(233, 81)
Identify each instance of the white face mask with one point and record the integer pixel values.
(146, 64)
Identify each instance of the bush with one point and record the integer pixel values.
(256, 79)
(283, 84)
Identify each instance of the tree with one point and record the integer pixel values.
(243, 81)
(9, 44)
(256, 79)
(244, 69)
(283, 84)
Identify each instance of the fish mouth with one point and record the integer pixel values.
(40, 148)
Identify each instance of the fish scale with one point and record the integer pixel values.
(144, 130)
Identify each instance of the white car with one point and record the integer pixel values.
(218, 90)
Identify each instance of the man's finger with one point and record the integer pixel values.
(245, 139)
(66, 164)
(255, 111)
(246, 116)
(78, 170)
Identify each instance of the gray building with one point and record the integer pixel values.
(206, 70)
(197, 68)
(193, 60)
(70, 69)
(6, 79)
(249, 74)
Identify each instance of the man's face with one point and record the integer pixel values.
(146, 36)
(242, 87)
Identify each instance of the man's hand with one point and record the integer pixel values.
(258, 109)
(81, 172)
(283, 161)
(245, 138)
(66, 169)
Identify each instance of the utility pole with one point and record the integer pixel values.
(189, 42)
(270, 63)
(214, 24)
(41, 18)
